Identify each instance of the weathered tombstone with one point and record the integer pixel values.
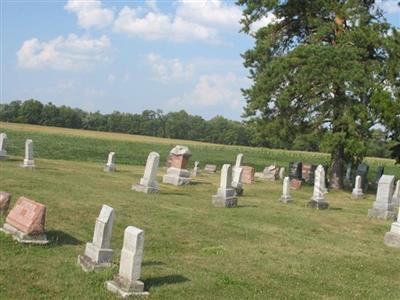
(98, 253)
(248, 174)
(295, 184)
(177, 174)
(282, 173)
(396, 195)
(286, 198)
(110, 165)
(357, 191)
(196, 169)
(225, 196)
(3, 143)
(148, 183)
(308, 173)
(28, 161)
(362, 170)
(383, 206)
(238, 163)
(392, 238)
(210, 168)
(5, 199)
(295, 170)
(25, 222)
(318, 200)
(237, 181)
(271, 173)
(127, 282)
(379, 173)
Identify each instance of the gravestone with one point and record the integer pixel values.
(127, 282)
(379, 173)
(295, 184)
(318, 200)
(271, 173)
(210, 168)
(383, 205)
(392, 238)
(3, 144)
(396, 195)
(295, 170)
(237, 181)
(28, 161)
(177, 174)
(308, 173)
(110, 165)
(25, 222)
(196, 169)
(225, 196)
(238, 163)
(5, 199)
(98, 253)
(282, 173)
(248, 174)
(357, 191)
(148, 183)
(286, 198)
(362, 170)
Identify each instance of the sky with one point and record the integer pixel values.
(129, 55)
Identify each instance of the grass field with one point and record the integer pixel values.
(261, 250)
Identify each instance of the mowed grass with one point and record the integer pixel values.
(261, 250)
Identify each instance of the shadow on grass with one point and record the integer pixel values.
(169, 279)
(58, 237)
(247, 206)
(153, 263)
(335, 208)
(200, 183)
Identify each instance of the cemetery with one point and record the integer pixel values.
(199, 234)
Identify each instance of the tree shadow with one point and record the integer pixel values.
(163, 280)
(247, 206)
(58, 237)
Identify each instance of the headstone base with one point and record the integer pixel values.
(144, 189)
(110, 168)
(126, 288)
(88, 265)
(24, 238)
(28, 164)
(195, 173)
(3, 154)
(318, 204)
(357, 194)
(175, 180)
(228, 202)
(286, 199)
(239, 191)
(381, 214)
(392, 239)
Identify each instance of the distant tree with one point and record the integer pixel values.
(30, 112)
(323, 65)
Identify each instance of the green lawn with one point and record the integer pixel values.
(261, 250)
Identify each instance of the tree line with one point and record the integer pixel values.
(177, 125)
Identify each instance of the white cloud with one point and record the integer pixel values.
(90, 13)
(70, 53)
(156, 25)
(169, 69)
(389, 6)
(213, 90)
(213, 12)
(111, 78)
(264, 21)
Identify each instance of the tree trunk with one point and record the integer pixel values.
(337, 167)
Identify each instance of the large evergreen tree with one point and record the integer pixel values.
(323, 65)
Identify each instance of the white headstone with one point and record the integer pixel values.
(237, 181)
(98, 253)
(239, 160)
(28, 161)
(392, 238)
(3, 142)
(196, 169)
(286, 191)
(396, 195)
(225, 196)
(127, 282)
(110, 166)
(318, 199)
(383, 205)
(282, 173)
(357, 191)
(148, 183)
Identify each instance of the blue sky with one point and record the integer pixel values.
(129, 55)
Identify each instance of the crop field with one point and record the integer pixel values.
(263, 249)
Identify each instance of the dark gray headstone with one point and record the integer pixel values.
(379, 173)
(362, 170)
(295, 169)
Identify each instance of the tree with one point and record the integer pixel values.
(323, 66)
